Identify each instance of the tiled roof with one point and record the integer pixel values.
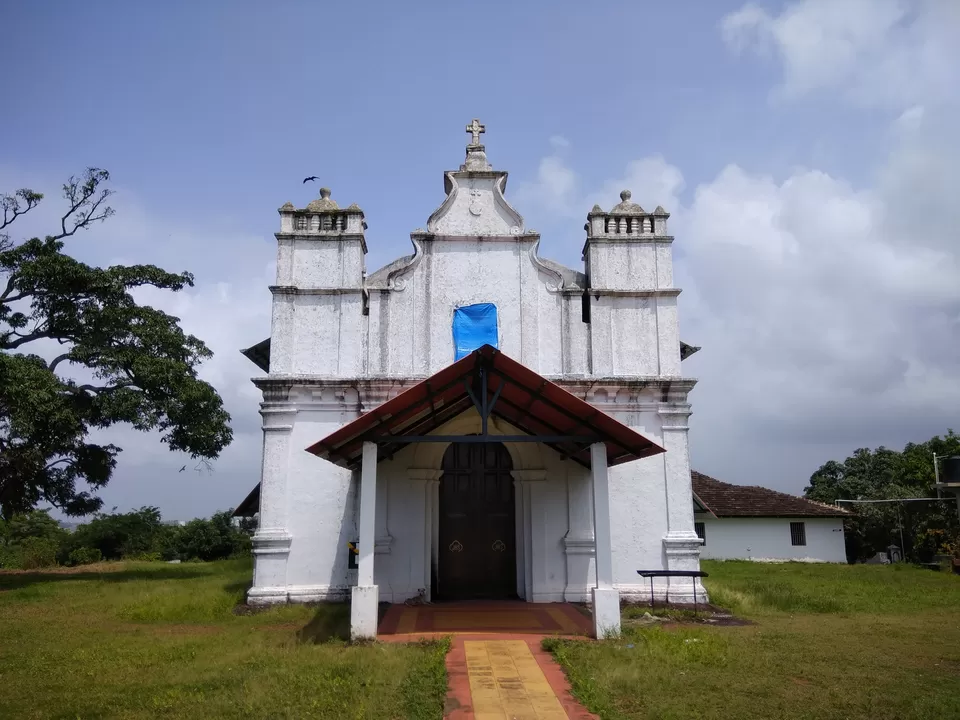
(726, 500)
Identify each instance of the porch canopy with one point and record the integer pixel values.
(495, 385)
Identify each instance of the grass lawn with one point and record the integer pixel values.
(829, 641)
(146, 640)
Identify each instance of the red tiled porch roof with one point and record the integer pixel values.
(518, 395)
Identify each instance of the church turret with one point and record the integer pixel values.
(629, 266)
(318, 298)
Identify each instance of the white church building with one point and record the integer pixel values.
(473, 421)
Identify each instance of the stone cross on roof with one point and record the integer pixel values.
(475, 128)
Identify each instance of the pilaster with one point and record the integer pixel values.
(271, 542)
(426, 481)
(681, 544)
(579, 544)
(384, 540)
(531, 543)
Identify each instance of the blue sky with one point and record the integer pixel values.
(221, 108)
(789, 140)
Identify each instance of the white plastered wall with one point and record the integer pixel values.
(740, 538)
(323, 337)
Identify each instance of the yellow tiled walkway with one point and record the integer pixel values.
(506, 683)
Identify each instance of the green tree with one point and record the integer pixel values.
(884, 474)
(215, 538)
(117, 362)
(133, 534)
(30, 540)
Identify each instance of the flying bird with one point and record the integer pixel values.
(312, 177)
(182, 469)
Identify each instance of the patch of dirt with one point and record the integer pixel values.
(162, 629)
(704, 608)
(678, 614)
(286, 627)
(715, 621)
(100, 567)
(244, 609)
(187, 629)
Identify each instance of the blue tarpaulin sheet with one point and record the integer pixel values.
(474, 326)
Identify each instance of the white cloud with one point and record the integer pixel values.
(559, 141)
(887, 53)
(828, 310)
(910, 119)
(555, 187)
(652, 181)
(748, 27)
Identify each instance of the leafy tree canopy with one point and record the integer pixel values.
(882, 474)
(117, 362)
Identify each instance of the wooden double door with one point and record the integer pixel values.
(477, 556)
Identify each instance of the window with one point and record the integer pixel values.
(701, 531)
(798, 533)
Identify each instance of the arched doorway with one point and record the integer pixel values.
(477, 524)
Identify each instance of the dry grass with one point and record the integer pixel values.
(145, 640)
(829, 642)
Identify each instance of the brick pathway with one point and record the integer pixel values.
(496, 668)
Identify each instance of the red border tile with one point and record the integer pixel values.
(560, 684)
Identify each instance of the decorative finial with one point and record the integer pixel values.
(626, 206)
(475, 128)
(324, 203)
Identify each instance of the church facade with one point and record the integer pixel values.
(382, 464)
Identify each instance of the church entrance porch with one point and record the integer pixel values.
(529, 409)
(476, 554)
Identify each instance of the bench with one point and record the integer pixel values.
(673, 573)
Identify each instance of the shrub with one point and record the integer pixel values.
(9, 558)
(36, 553)
(144, 557)
(30, 540)
(84, 556)
(121, 535)
(213, 539)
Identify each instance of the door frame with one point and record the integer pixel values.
(529, 474)
(518, 505)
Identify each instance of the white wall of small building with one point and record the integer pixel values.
(740, 538)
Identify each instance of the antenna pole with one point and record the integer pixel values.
(936, 476)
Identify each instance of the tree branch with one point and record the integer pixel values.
(98, 390)
(57, 360)
(11, 205)
(80, 194)
(24, 339)
(9, 289)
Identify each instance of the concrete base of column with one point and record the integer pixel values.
(364, 606)
(606, 613)
(683, 553)
(267, 596)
